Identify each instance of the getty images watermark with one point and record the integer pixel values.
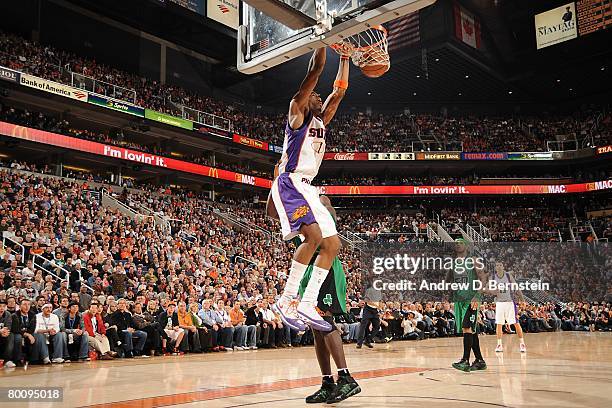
(459, 273)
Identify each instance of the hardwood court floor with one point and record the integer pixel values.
(559, 370)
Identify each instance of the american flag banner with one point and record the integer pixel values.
(261, 44)
(404, 31)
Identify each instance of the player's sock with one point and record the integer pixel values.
(467, 346)
(499, 342)
(328, 379)
(476, 346)
(317, 277)
(522, 340)
(296, 273)
(343, 372)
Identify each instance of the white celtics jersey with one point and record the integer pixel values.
(303, 148)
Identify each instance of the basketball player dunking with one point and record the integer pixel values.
(297, 202)
(330, 302)
(505, 309)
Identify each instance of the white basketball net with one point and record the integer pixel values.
(369, 47)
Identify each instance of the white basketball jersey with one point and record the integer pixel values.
(503, 295)
(303, 148)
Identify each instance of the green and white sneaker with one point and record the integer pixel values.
(345, 387)
(478, 365)
(462, 365)
(322, 394)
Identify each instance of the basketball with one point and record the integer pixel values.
(374, 70)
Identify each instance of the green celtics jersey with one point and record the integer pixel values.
(332, 296)
(464, 276)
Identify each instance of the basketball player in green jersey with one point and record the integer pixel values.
(331, 301)
(467, 302)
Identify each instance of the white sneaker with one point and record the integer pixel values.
(253, 347)
(46, 360)
(9, 364)
(58, 360)
(287, 310)
(309, 314)
(238, 348)
(499, 348)
(229, 349)
(144, 356)
(523, 348)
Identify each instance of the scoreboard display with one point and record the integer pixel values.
(593, 15)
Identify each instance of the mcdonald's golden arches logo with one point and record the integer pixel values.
(356, 190)
(212, 172)
(516, 189)
(20, 132)
(590, 187)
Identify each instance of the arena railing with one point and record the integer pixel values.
(205, 118)
(432, 236)
(42, 266)
(14, 243)
(246, 260)
(219, 250)
(473, 234)
(102, 88)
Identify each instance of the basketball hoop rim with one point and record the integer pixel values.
(380, 28)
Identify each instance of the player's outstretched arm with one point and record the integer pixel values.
(299, 101)
(340, 86)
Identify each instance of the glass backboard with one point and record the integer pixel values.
(264, 42)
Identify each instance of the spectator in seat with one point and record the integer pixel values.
(96, 332)
(111, 328)
(11, 304)
(409, 324)
(238, 320)
(7, 338)
(75, 333)
(148, 323)
(227, 330)
(185, 322)
(252, 324)
(213, 323)
(62, 310)
(84, 299)
(271, 333)
(24, 329)
(127, 331)
(48, 327)
(152, 313)
(203, 332)
(169, 321)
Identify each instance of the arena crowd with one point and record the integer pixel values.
(348, 133)
(87, 281)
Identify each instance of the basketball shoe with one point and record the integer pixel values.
(287, 310)
(346, 387)
(322, 394)
(463, 365)
(478, 365)
(499, 348)
(522, 348)
(308, 313)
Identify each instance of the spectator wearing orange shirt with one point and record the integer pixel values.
(185, 321)
(240, 330)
